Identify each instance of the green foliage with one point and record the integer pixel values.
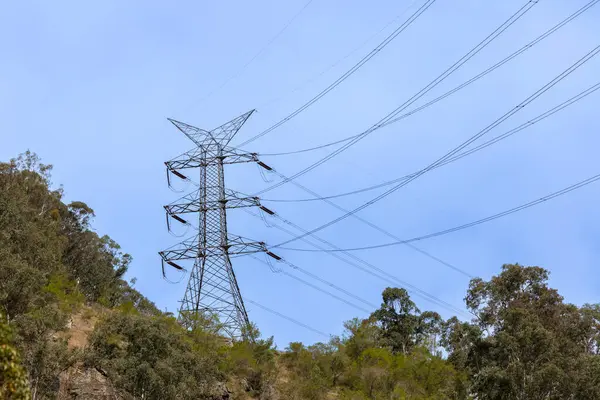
(153, 357)
(67, 295)
(399, 319)
(315, 369)
(98, 264)
(46, 360)
(13, 379)
(525, 342)
(381, 374)
(42, 237)
(360, 336)
(252, 360)
(367, 363)
(402, 324)
(51, 264)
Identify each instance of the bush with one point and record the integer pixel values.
(13, 379)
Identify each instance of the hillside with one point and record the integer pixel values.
(72, 328)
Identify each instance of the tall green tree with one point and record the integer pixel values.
(402, 325)
(525, 342)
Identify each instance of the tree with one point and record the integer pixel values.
(590, 314)
(153, 357)
(331, 358)
(359, 336)
(375, 369)
(30, 245)
(51, 263)
(402, 324)
(253, 361)
(524, 343)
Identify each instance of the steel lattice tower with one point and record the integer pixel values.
(212, 289)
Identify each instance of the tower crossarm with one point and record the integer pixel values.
(188, 249)
(237, 245)
(202, 157)
(200, 206)
(222, 134)
(194, 202)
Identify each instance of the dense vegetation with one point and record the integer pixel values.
(13, 380)
(523, 341)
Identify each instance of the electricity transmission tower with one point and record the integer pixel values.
(212, 289)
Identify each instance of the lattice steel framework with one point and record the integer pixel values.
(212, 287)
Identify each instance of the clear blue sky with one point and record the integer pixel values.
(88, 86)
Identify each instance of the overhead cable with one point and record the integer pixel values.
(381, 230)
(369, 268)
(540, 117)
(459, 87)
(347, 74)
(470, 224)
(466, 143)
(292, 320)
(318, 278)
(332, 285)
(336, 63)
(259, 53)
(320, 289)
(444, 75)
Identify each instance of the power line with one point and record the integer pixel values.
(358, 263)
(459, 87)
(470, 224)
(308, 149)
(453, 68)
(258, 54)
(247, 300)
(531, 122)
(453, 152)
(374, 226)
(378, 228)
(318, 278)
(326, 292)
(332, 285)
(336, 63)
(348, 73)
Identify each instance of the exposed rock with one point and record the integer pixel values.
(81, 327)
